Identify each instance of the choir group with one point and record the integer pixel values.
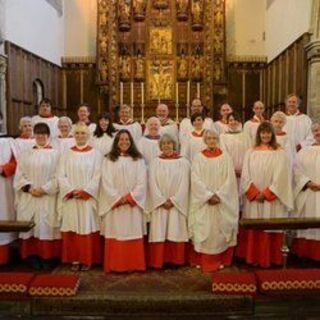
(108, 194)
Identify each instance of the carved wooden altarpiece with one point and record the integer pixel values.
(170, 51)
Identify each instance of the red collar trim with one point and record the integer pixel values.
(256, 119)
(40, 148)
(175, 155)
(198, 135)
(61, 137)
(86, 149)
(281, 133)
(212, 153)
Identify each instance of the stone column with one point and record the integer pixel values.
(313, 54)
(3, 102)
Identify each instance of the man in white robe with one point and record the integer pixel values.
(126, 122)
(307, 196)
(298, 125)
(45, 115)
(83, 114)
(167, 125)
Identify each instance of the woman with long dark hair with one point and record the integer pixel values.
(121, 206)
(104, 134)
(266, 186)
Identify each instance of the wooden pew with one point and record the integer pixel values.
(16, 226)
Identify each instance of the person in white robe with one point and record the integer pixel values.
(7, 210)
(26, 140)
(186, 126)
(278, 121)
(193, 143)
(222, 123)
(266, 184)
(307, 197)
(148, 145)
(104, 134)
(36, 189)
(235, 142)
(83, 113)
(167, 125)
(126, 122)
(122, 204)
(79, 175)
(298, 125)
(214, 207)
(65, 139)
(45, 115)
(169, 179)
(250, 127)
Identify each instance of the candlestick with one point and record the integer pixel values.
(121, 93)
(198, 90)
(142, 102)
(131, 97)
(188, 99)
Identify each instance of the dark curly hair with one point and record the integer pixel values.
(133, 152)
(110, 130)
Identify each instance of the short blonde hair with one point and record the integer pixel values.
(23, 120)
(293, 95)
(81, 127)
(258, 102)
(125, 106)
(208, 132)
(168, 138)
(279, 115)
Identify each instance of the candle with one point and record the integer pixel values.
(121, 93)
(188, 99)
(177, 93)
(198, 90)
(142, 93)
(131, 95)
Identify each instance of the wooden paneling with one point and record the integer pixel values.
(79, 86)
(286, 74)
(245, 85)
(23, 69)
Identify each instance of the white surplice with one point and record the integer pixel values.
(192, 145)
(186, 128)
(52, 123)
(7, 210)
(298, 127)
(38, 168)
(149, 148)
(307, 168)
(119, 178)
(133, 127)
(103, 143)
(169, 179)
(79, 170)
(267, 169)
(213, 229)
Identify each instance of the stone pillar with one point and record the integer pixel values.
(3, 102)
(313, 55)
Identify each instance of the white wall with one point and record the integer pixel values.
(286, 21)
(245, 25)
(80, 28)
(35, 26)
